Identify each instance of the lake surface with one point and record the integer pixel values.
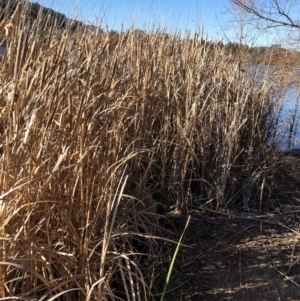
(286, 110)
(288, 131)
(2, 49)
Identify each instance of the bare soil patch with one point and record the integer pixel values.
(243, 255)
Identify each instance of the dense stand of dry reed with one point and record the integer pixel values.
(95, 131)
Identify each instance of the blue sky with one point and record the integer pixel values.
(182, 15)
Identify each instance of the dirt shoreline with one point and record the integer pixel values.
(243, 256)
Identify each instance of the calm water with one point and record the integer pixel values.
(2, 49)
(288, 130)
(287, 111)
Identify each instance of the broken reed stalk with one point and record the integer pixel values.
(77, 106)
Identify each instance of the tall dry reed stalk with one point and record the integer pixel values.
(95, 131)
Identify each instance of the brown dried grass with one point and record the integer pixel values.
(95, 130)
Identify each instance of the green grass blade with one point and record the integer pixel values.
(173, 260)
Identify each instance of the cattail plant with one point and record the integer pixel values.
(95, 131)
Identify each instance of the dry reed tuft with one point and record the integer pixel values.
(95, 130)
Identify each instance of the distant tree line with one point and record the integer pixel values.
(7, 8)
